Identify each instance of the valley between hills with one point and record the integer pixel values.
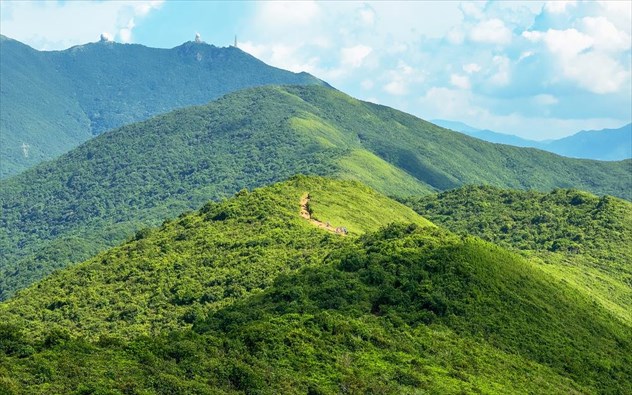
(276, 235)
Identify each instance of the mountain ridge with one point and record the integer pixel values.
(102, 192)
(55, 100)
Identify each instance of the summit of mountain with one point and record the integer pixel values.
(52, 101)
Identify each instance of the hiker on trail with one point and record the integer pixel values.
(341, 229)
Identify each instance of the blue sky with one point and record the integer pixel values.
(536, 69)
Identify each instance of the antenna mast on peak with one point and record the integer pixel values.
(235, 41)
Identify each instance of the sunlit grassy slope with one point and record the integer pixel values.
(247, 241)
(246, 296)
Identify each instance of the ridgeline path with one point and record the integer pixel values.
(305, 214)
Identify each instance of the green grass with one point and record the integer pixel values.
(602, 286)
(359, 208)
(370, 169)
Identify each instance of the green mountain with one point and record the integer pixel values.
(605, 144)
(246, 296)
(579, 238)
(52, 101)
(95, 196)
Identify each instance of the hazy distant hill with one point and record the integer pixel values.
(98, 194)
(246, 297)
(606, 144)
(54, 100)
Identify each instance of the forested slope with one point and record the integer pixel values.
(102, 192)
(53, 101)
(579, 238)
(245, 296)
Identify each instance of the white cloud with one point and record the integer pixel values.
(492, 31)
(256, 50)
(125, 34)
(619, 13)
(585, 57)
(455, 36)
(566, 43)
(545, 99)
(367, 84)
(471, 68)
(55, 25)
(501, 76)
(401, 78)
(142, 8)
(559, 6)
(473, 9)
(596, 72)
(605, 35)
(463, 48)
(367, 16)
(354, 56)
(286, 15)
(460, 81)
(396, 87)
(445, 103)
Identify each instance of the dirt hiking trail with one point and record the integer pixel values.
(327, 226)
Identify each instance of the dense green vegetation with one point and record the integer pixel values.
(245, 296)
(579, 238)
(55, 100)
(203, 260)
(102, 192)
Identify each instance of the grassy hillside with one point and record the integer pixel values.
(203, 260)
(55, 100)
(95, 196)
(245, 296)
(582, 239)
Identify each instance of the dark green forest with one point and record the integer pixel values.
(245, 296)
(97, 195)
(55, 100)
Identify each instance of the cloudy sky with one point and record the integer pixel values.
(535, 69)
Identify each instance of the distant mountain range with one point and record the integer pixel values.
(52, 101)
(98, 194)
(606, 144)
